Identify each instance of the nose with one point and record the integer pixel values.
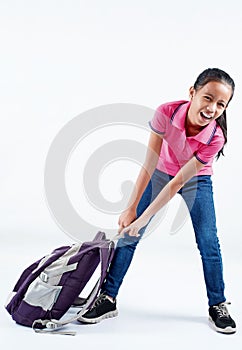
(211, 107)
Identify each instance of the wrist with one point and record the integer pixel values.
(144, 217)
(131, 207)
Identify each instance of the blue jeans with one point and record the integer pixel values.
(198, 195)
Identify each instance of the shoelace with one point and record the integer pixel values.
(99, 300)
(222, 309)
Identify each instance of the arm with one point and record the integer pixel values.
(190, 169)
(151, 159)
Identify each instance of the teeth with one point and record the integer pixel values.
(206, 115)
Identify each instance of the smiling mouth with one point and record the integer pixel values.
(206, 116)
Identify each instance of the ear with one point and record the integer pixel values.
(191, 92)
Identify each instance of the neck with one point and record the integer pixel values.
(191, 129)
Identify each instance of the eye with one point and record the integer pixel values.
(221, 104)
(207, 98)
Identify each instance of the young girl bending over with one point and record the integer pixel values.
(185, 138)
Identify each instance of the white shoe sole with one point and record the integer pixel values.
(98, 319)
(227, 330)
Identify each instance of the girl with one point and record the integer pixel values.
(185, 138)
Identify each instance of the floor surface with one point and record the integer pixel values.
(162, 303)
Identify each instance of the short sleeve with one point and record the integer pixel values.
(159, 120)
(206, 153)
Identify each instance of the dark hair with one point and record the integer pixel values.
(216, 74)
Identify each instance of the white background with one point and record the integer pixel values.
(60, 58)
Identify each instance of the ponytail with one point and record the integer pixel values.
(222, 122)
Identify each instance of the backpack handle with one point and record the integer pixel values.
(100, 236)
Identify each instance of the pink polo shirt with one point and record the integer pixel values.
(177, 149)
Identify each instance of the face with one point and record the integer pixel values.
(208, 103)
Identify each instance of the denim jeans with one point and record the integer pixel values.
(198, 195)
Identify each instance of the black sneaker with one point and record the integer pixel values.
(102, 308)
(221, 320)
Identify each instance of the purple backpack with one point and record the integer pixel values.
(49, 287)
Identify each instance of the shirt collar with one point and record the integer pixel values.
(178, 120)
